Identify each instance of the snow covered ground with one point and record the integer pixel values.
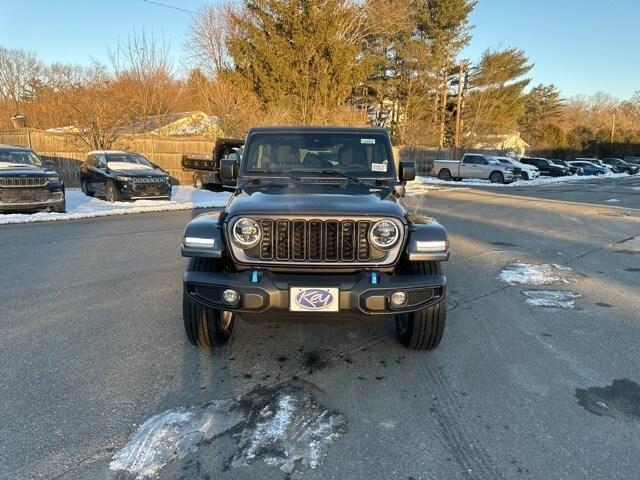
(520, 183)
(81, 206)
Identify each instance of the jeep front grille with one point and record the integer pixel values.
(315, 240)
(23, 181)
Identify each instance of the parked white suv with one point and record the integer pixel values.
(529, 172)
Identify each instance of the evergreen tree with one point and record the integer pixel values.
(496, 99)
(301, 54)
(542, 107)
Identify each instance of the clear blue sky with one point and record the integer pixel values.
(582, 46)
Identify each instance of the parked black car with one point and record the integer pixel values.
(573, 169)
(315, 229)
(547, 167)
(123, 176)
(27, 183)
(620, 166)
(590, 168)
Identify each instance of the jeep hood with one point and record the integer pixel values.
(348, 203)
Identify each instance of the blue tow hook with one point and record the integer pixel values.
(255, 276)
(374, 278)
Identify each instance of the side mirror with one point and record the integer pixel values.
(228, 170)
(407, 171)
(49, 164)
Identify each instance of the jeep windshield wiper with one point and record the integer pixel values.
(331, 171)
(281, 172)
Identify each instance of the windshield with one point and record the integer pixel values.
(129, 158)
(363, 155)
(19, 158)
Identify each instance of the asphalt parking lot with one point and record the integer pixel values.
(92, 346)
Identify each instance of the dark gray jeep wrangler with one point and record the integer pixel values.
(316, 229)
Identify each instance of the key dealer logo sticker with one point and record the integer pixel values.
(314, 299)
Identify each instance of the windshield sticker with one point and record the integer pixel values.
(368, 140)
(379, 167)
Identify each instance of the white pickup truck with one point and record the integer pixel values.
(476, 165)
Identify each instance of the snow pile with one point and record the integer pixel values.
(530, 274)
(288, 427)
(520, 183)
(552, 299)
(281, 426)
(80, 205)
(174, 434)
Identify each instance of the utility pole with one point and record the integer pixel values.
(613, 124)
(462, 85)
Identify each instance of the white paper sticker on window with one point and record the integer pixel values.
(378, 167)
(368, 140)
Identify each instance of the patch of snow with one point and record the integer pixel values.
(612, 200)
(530, 274)
(128, 166)
(173, 435)
(551, 299)
(520, 183)
(280, 426)
(81, 206)
(291, 427)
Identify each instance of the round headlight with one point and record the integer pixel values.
(246, 233)
(384, 234)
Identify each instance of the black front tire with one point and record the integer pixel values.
(422, 330)
(525, 176)
(496, 177)
(205, 327)
(198, 182)
(111, 192)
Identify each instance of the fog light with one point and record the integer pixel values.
(230, 297)
(398, 299)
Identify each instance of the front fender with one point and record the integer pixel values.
(205, 227)
(428, 241)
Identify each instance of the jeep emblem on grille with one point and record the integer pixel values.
(314, 298)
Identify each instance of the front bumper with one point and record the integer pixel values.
(154, 191)
(50, 197)
(362, 294)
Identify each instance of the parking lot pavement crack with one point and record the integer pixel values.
(480, 297)
(599, 249)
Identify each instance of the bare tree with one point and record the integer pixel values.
(19, 71)
(144, 71)
(207, 42)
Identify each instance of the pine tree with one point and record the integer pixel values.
(496, 99)
(543, 107)
(304, 55)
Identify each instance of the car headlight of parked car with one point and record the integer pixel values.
(54, 179)
(246, 233)
(384, 234)
(124, 179)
